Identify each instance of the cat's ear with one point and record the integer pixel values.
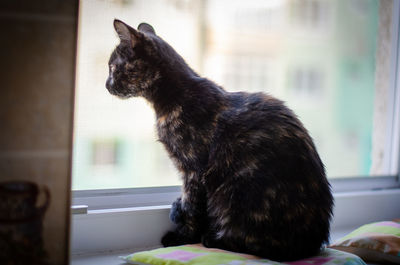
(144, 27)
(126, 33)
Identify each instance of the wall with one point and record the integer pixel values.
(37, 51)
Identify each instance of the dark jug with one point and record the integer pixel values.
(21, 222)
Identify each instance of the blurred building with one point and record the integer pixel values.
(317, 55)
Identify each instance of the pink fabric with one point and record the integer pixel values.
(180, 255)
(393, 224)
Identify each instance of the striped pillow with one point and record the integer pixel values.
(376, 242)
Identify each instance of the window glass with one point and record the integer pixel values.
(327, 59)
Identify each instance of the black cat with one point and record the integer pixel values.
(252, 179)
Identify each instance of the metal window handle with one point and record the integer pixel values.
(79, 209)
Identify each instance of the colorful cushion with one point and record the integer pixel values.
(197, 255)
(376, 242)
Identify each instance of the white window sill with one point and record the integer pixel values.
(99, 259)
(101, 236)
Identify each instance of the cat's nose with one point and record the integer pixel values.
(109, 83)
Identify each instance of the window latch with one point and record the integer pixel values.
(79, 209)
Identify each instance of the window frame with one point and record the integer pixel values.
(125, 198)
(123, 207)
(394, 95)
(161, 196)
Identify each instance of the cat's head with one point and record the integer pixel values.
(133, 64)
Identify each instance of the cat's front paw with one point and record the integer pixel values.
(170, 239)
(209, 241)
(176, 213)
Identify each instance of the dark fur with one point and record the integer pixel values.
(252, 179)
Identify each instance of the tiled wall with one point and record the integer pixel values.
(37, 66)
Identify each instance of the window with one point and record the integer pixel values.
(250, 73)
(307, 83)
(337, 67)
(329, 60)
(104, 153)
(310, 14)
